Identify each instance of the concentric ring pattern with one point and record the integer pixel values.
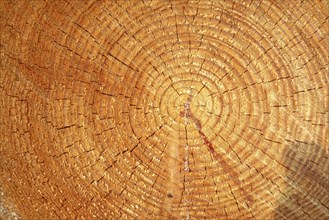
(165, 109)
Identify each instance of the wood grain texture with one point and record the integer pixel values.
(164, 109)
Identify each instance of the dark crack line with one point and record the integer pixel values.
(187, 114)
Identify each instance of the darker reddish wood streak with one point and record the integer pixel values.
(187, 113)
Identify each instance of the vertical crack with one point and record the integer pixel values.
(188, 115)
(187, 107)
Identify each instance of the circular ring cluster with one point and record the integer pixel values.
(164, 109)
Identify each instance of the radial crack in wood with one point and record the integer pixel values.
(161, 109)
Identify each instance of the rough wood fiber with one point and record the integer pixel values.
(164, 109)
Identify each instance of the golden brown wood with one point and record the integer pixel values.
(164, 109)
